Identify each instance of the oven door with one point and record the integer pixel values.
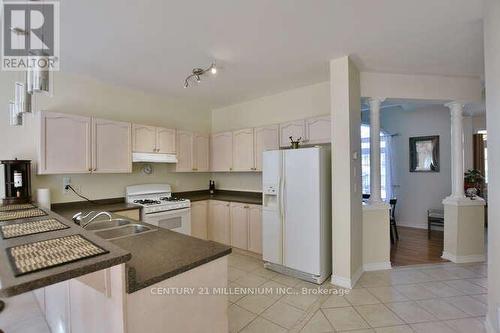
(176, 220)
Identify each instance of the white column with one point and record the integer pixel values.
(375, 188)
(457, 150)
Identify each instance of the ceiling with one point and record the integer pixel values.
(262, 46)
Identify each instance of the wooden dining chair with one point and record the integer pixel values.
(392, 225)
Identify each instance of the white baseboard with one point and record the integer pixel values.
(463, 259)
(377, 266)
(489, 325)
(347, 283)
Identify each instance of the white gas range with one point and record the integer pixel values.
(160, 208)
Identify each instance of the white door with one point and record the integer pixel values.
(112, 146)
(272, 236)
(301, 202)
(295, 129)
(318, 130)
(65, 144)
(184, 151)
(219, 227)
(255, 228)
(199, 219)
(165, 140)
(265, 138)
(239, 225)
(144, 138)
(243, 150)
(201, 152)
(221, 152)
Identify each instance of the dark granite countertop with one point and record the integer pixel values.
(11, 285)
(223, 195)
(68, 209)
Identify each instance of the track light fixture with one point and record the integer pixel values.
(197, 73)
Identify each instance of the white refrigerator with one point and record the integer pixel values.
(296, 212)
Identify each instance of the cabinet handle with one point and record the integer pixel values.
(95, 169)
(246, 206)
(231, 169)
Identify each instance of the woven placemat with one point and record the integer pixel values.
(49, 253)
(21, 214)
(30, 228)
(8, 208)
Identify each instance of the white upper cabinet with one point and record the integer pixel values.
(112, 146)
(144, 138)
(184, 151)
(65, 144)
(265, 138)
(295, 129)
(243, 150)
(165, 140)
(221, 146)
(201, 154)
(318, 130)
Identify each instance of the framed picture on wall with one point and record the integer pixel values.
(424, 154)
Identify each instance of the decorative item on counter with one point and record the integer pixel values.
(295, 144)
(473, 179)
(17, 178)
(211, 186)
(43, 197)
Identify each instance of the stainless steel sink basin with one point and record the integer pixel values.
(125, 231)
(98, 225)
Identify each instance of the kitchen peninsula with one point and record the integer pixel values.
(117, 291)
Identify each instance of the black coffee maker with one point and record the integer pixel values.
(17, 178)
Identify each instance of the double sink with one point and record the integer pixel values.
(118, 228)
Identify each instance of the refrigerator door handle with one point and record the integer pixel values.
(282, 208)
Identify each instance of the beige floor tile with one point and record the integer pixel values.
(283, 314)
(387, 294)
(479, 269)
(374, 279)
(441, 289)
(415, 292)
(467, 325)
(256, 303)
(286, 280)
(410, 312)
(250, 280)
(300, 300)
(483, 298)
(395, 329)
(345, 318)
(234, 296)
(468, 305)
(335, 301)
(409, 276)
(239, 318)
(461, 272)
(264, 272)
(441, 309)
(440, 274)
(483, 282)
(276, 290)
(261, 325)
(317, 324)
(235, 273)
(22, 315)
(361, 297)
(432, 327)
(467, 287)
(378, 315)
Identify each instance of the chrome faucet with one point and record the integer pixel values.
(96, 216)
(78, 217)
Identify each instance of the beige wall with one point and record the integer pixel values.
(80, 95)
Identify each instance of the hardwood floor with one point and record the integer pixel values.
(413, 247)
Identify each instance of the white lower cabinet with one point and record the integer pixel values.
(255, 228)
(57, 307)
(199, 219)
(239, 225)
(219, 228)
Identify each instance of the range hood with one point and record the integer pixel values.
(154, 158)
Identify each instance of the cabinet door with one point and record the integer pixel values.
(219, 229)
(184, 151)
(318, 130)
(255, 228)
(57, 307)
(239, 225)
(266, 138)
(295, 129)
(201, 152)
(221, 151)
(112, 146)
(243, 150)
(199, 219)
(165, 140)
(144, 138)
(65, 144)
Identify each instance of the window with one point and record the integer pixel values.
(384, 162)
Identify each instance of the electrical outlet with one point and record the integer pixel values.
(66, 181)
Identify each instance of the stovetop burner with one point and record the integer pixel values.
(147, 202)
(171, 199)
